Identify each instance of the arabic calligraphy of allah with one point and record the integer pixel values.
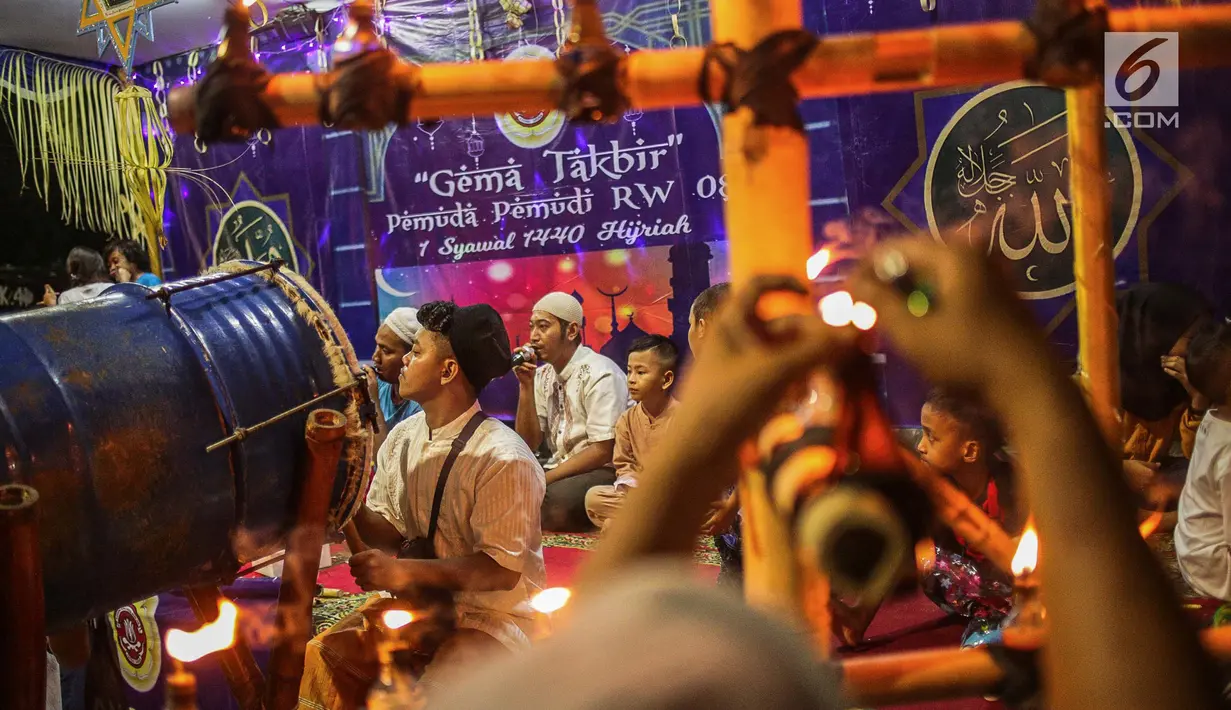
(998, 177)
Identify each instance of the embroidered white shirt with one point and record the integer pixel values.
(491, 504)
(581, 404)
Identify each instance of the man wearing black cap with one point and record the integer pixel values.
(487, 544)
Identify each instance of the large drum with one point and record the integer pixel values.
(107, 408)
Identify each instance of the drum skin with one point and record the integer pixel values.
(107, 407)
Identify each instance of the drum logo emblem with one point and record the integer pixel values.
(130, 636)
(138, 644)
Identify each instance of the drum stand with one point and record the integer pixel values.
(325, 436)
(23, 674)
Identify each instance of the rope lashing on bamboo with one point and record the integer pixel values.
(1068, 44)
(592, 70)
(369, 91)
(593, 84)
(230, 106)
(760, 78)
(371, 86)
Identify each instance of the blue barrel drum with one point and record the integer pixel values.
(107, 407)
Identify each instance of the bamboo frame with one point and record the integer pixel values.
(840, 66)
(767, 172)
(768, 190)
(1094, 269)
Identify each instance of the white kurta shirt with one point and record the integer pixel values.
(1203, 533)
(491, 504)
(581, 404)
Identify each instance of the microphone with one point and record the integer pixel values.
(525, 354)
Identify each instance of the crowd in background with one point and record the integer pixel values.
(90, 273)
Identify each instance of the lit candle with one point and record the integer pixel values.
(547, 603)
(181, 689)
(1026, 625)
(182, 646)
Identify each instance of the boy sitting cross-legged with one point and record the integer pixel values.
(651, 373)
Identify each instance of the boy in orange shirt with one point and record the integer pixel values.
(651, 373)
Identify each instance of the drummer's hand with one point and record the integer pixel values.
(973, 330)
(49, 295)
(376, 571)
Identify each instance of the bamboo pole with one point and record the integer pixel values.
(1094, 269)
(840, 66)
(949, 673)
(768, 191)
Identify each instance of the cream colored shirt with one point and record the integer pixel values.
(579, 405)
(491, 505)
(637, 433)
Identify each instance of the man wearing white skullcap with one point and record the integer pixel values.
(571, 404)
(394, 339)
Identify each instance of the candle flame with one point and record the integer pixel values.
(551, 600)
(1027, 556)
(396, 618)
(817, 263)
(191, 645)
(1150, 524)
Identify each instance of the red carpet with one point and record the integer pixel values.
(562, 565)
(903, 624)
(911, 623)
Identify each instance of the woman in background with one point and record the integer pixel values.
(86, 273)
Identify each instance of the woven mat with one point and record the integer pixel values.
(327, 611)
(705, 554)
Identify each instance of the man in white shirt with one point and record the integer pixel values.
(572, 404)
(487, 545)
(1203, 532)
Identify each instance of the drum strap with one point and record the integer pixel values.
(458, 445)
